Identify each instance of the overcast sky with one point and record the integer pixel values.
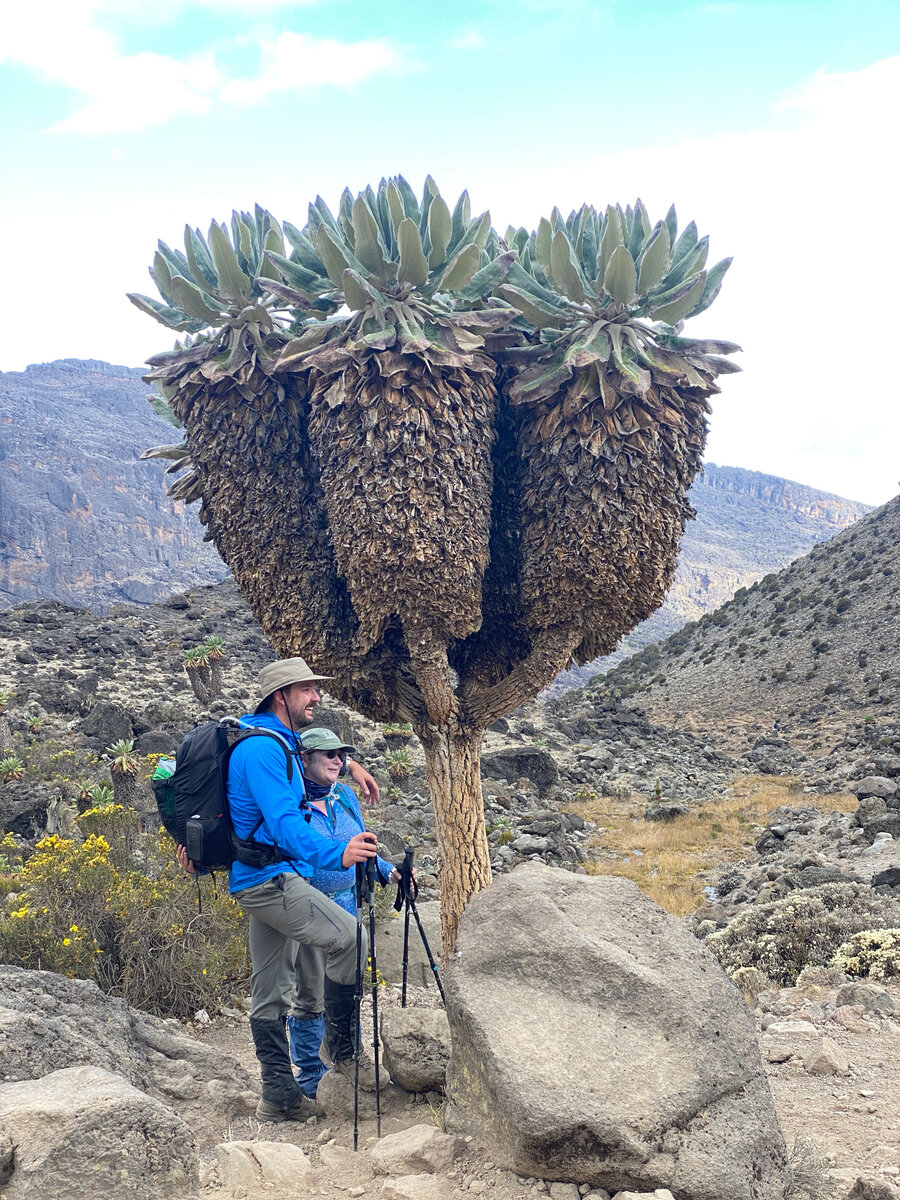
(772, 124)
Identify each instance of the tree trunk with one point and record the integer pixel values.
(453, 765)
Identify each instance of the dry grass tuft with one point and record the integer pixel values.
(672, 861)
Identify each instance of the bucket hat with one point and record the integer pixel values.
(282, 674)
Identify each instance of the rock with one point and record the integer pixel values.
(389, 946)
(83, 1131)
(518, 761)
(417, 1187)
(872, 1187)
(279, 1165)
(341, 1162)
(887, 822)
(659, 1194)
(415, 1151)
(564, 986)
(667, 810)
(24, 808)
(872, 998)
(826, 1058)
(107, 722)
(416, 1047)
(564, 1191)
(335, 1094)
(875, 785)
(156, 741)
(46, 1019)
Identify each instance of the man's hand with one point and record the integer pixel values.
(364, 781)
(361, 847)
(183, 861)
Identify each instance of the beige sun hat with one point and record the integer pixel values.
(282, 674)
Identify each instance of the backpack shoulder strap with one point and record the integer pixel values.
(249, 733)
(349, 809)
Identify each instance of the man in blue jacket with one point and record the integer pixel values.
(283, 906)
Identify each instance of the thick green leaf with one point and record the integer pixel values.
(193, 301)
(654, 260)
(200, 264)
(539, 381)
(395, 204)
(460, 269)
(672, 313)
(173, 318)
(410, 203)
(520, 278)
(462, 214)
(304, 251)
(345, 219)
(358, 294)
(163, 409)
(295, 275)
(484, 281)
(367, 246)
(640, 229)
(540, 315)
(711, 289)
(542, 242)
(440, 226)
(620, 277)
(335, 255)
(162, 276)
(232, 280)
(272, 245)
(612, 237)
(413, 264)
(563, 268)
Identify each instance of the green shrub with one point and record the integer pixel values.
(117, 909)
(872, 954)
(804, 929)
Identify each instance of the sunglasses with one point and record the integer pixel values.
(339, 754)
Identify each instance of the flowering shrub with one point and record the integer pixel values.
(804, 929)
(872, 954)
(117, 909)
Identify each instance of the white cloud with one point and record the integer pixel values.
(118, 92)
(298, 61)
(469, 39)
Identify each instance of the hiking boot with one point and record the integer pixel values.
(347, 1066)
(301, 1110)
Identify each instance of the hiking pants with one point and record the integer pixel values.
(284, 911)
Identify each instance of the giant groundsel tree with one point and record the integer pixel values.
(440, 463)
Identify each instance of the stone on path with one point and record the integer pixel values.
(85, 1132)
(415, 1151)
(417, 1187)
(595, 1040)
(416, 1047)
(275, 1165)
(335, 1094)
(826, 1058)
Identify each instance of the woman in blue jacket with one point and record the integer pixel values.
(333, 812)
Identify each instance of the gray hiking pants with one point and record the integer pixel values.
(284, 911)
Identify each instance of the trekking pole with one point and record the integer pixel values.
(370, 891)
(360, 884)
(403, 901)
(407, 890)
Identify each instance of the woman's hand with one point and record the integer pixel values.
(183, 861)
(395, 876)
(360, 848)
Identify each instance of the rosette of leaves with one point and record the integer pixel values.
(197, 668)
(608, 404)
(409, 503)
(245, 453)
(11, 768)
(215, 650)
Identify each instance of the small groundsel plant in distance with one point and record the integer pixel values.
(11, 768)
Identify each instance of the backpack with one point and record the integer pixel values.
(192, 797)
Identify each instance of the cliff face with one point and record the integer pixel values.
(748, 524)
(81, 519)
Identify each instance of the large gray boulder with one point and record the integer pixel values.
(416, 1047)
(83, 1132)
(519, 762)
(46, 1020)
(596, 1041)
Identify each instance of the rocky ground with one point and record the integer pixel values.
(80, 682)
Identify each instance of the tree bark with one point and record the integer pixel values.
(453, 766)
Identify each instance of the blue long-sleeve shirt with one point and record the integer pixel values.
(341, 821)
(258, 787)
